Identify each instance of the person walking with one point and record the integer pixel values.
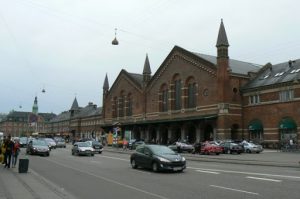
(15, 153)
(8, 152)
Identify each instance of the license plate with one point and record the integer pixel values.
(177, 168)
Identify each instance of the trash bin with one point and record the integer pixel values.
(23, 165)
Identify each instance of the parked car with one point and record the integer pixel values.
(209, 148)
(251, 147)
(38, 147)
(130, 143)
(157, 158)
(182, 147)
(137, 143)
(60, 143)
(23, 142)
(82, 148)
(231, 147)
(51, 143)
(97, 146)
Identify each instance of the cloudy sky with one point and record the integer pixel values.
(64, 46)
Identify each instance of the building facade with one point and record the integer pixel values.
(197, 97)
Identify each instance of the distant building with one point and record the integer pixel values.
(19, 123)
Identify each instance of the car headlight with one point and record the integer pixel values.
(183, 158)
(163, 159)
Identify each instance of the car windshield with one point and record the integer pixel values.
(157, 149)
(39, 143)
(83, 144)
(23, 139)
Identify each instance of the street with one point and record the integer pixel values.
(109, 175)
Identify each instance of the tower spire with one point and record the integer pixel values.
(222, 37)
(105, 84)
(35, 107)
(146, 71)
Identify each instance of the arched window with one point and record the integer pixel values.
(190, 93)
(164, 97)
(176, 91)
(129, 105)
(114, 107)
(121, 104)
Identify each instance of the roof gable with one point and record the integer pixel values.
(135, 79)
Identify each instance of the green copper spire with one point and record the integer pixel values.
(35, 107)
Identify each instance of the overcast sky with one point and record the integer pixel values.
(64, 46)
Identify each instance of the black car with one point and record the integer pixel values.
(157, 158)
(231, 147)
(38, 147)
(98, 147)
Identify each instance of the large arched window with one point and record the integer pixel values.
(121, 104)
(164, 97)
(191, 93)
(176, 93)
(129, 105)
(114, 107)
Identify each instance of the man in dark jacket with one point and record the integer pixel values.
(8, 151)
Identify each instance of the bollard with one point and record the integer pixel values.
(23, 165)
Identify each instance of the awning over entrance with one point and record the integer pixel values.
(255, 126)
(287, 124)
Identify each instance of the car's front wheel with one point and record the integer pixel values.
(133, 164)
(155, 167)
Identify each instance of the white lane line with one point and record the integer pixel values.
(110, 180)
(114, 158)
(247, 173)
(265, 179)
(237, 190)
(211, 172)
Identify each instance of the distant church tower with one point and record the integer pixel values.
(35, 108)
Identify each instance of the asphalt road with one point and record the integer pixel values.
(110, 176)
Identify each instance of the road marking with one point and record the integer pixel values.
(237, 190)
(211, 172)
(110, 180)
(247, 173)
(127, 160)
(265, 179)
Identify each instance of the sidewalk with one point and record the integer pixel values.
(15, 185)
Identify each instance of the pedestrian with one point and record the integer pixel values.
(3, 147)
(8, 152)
(15, 153)
(125, 144)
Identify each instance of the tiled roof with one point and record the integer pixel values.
(276, 74)
(238, 67)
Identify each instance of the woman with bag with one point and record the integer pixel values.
(16, 151)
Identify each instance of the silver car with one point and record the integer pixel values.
(252, 148)
(82, 148)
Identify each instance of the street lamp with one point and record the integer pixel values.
(115, 41)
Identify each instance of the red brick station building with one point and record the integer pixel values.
(197, 97)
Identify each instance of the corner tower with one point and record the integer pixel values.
(222, 63)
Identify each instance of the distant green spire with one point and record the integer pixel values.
(35, 107)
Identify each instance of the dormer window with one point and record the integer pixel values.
(266, 76)
(295, 70)
(278, 74)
